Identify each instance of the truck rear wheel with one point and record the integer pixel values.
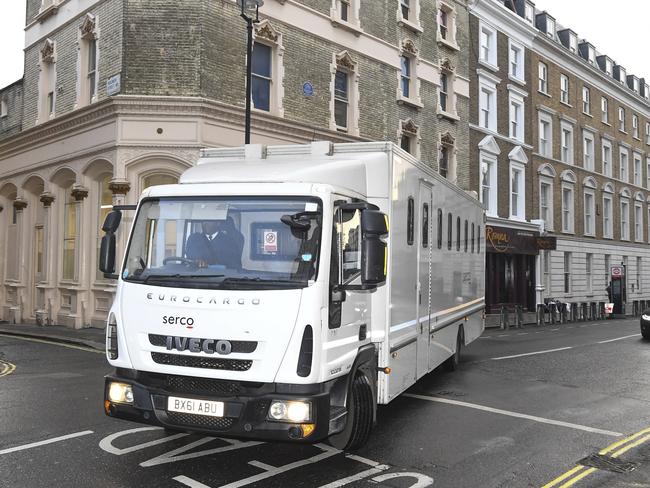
(359, 417)
(451, 364)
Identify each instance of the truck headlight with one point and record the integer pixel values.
(290, 411)
(120, 393)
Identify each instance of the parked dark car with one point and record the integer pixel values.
(645, 324)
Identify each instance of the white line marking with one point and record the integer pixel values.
(531, 353)
(356, 477)
(190, 482)
(523, 333)
(106, 443)
(261, 465)
(515, 414)
(553, 330)
(619, 338)
(502, 335)
(176, 455)
(45, 442)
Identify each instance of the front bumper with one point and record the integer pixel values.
(246, 406)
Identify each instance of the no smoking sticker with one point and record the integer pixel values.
(270, 241)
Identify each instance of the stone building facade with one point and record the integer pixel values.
(118, 95)
(587, 168)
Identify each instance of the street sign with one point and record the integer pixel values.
(113, 85)
(617, 271)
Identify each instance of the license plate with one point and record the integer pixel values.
(196, 407)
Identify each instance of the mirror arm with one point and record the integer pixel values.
(111, 276)
(119, 208)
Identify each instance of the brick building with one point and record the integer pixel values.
(118, 95)
(582, 158)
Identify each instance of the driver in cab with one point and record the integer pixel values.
(220, 242)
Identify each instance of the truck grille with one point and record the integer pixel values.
(243, 347)
(201, 421)
(201, 362)
(186, 384)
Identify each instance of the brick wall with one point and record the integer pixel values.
(13, 96)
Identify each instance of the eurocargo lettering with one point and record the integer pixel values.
(265, 296)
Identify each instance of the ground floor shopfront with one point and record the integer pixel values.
(525, 268)
(58, 181)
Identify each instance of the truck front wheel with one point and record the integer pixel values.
(359, 418)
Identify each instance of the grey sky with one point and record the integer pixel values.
(618, 32)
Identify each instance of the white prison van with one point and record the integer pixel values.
(267, 297)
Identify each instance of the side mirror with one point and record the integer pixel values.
(374, 251)
(107, 254)
(112, 221)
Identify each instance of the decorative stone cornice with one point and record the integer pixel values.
(89, 26)
(264, 30)
(447, 139)
(344, 60)
(20, 204)
(446, 65)
(410, 127)
(408, 47)
(47, 51)
(79, 192)
(119, 187)
(46, 199)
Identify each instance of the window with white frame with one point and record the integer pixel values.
(621, 119)
(638, 273)
(529, 13)
(488, 44)
(344, 98)
(638, 221)
(546, 202)
(566, 142)
(87, 63)
(607, 157)
(517, 61)
(637, 169)
(567, 272)
(70, 237)
(604, 108)
(267, 69)
(590, 212)
(545, 143)
(4, 107)
(625, 219)
(589, 265)
(406, 76)
(447, 24)
(542, 71)
(346, 11)
(564, 89)
(47, 81)
(608, 216)
(588, 150)
(517, 191)
(409, 137)
(586, 100)
(409, 13)
(487, 104)
(567, 208)
(647, 133)
(443, 92)
(635, 126)
(489, 183)
(647, 169)
(516, 117)
(623, 164)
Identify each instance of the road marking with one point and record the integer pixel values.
(531, 353)
(52, 343)
(7, 368)
(581, 472)
(619, 338)
(508, 413)
(328, 452)
(357, 477)
(45, 442)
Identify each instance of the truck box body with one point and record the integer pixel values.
(256, 338)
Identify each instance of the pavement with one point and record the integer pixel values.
(93, 338)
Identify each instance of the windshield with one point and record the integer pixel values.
(225, 242)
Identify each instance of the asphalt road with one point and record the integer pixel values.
(523, 409)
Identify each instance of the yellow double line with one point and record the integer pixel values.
(574, 475)
(6, 368)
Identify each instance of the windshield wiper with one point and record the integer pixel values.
(178, 276)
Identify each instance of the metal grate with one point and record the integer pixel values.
(202, 385)
(201, 362)
(204, 421)
(243, 347)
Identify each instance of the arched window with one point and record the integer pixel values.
(69, 237)
(158, 179)
(105, 203)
